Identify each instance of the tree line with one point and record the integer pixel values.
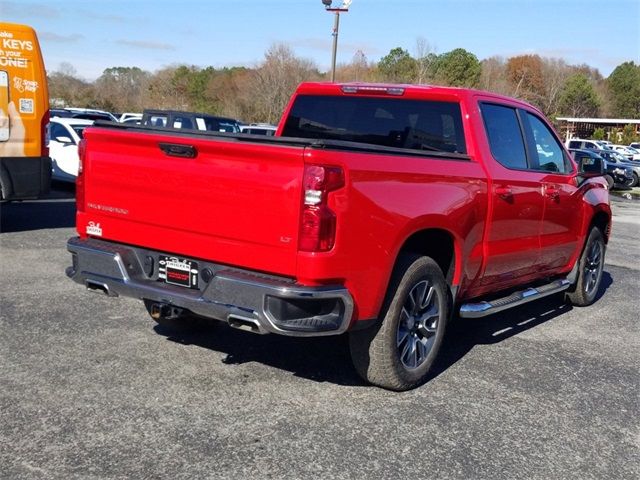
(260, 94)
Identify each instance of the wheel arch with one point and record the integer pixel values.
(437, 243)
(602, 221)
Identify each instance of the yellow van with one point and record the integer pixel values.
(25, 166)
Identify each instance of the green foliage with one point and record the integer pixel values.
(624, 87)
(578, 98)
(398, 66)
(599, 134)
(457, 68)
(629, 135)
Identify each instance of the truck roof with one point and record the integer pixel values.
(400, 89)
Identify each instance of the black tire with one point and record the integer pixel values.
(185, 323)
(609, 180)
(630, 182)
(636, 180)
(380, 353)
(590, 267)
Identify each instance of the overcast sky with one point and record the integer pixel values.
(96, 34)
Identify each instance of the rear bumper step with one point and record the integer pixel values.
(482, 309)
(244, 299)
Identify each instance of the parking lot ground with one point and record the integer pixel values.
(89, 388)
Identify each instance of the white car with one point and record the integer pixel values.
(64, 136)
(129, 117)
(259, 129)
(630, 153)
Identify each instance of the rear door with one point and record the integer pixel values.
(512, 238)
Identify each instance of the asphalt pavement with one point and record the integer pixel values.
(91, 388)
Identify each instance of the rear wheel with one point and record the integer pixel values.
(590, 268)
(178, 320)
(400, 350)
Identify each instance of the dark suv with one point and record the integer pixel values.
(620, 160)
(189, 121)
(616, 175)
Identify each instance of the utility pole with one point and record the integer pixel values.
(336, 26)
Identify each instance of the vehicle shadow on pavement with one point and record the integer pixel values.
(327, 359)
(321, 359)
(466, 333)
(26, 216)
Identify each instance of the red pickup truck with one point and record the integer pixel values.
(381, 210)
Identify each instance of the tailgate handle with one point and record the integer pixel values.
(178, 150)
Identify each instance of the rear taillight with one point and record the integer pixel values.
(318, 221)
(82, 148)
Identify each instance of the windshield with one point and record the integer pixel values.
(79, 129)
(389, 122)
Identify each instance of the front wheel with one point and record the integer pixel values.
(636, 180)
(609, 180)
(400, 350)
(590, 267)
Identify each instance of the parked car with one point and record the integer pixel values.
(132, 121)
(629, 152)
(64, 136)
(82, 113)
(60, 113)
(613, 157)
(128, 115)
(587, 144)
(635, 145)
(259, 129)
(189, 121)
(615, 175)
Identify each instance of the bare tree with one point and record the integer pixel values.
(425, 56)
(555, 72)
(494, 75)
(276, 79)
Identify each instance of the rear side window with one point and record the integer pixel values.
(389, 122)
(575, 144)
(505, 136)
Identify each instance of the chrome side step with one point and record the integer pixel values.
(482, 309)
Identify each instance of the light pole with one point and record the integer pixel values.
(336, 25)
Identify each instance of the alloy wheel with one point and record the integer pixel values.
(418, 324)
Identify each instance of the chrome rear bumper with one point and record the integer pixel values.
(240, 297)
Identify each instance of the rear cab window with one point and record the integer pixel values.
(389, 122)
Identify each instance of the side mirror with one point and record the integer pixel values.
(590, 167)
(64, 140)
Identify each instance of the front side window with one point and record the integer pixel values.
(550, 154)
(505, 136)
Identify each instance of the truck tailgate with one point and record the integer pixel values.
(235, 202)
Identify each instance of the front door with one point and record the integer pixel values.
(561, 224)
